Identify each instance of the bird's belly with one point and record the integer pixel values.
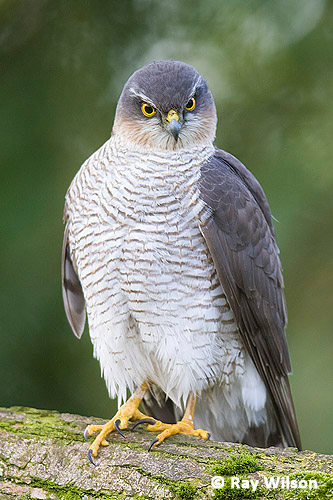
(169, 280)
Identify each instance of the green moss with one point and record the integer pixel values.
(40, 423)
(70, 492)
(234, 465)
(323, 492)
(183, 491)
(239, 465)
(69, 495)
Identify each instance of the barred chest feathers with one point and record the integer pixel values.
(155, 307)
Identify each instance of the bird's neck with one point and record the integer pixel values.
(159, 174)
(182, 158)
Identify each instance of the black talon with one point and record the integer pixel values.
(85, 435)
(116, 425)
(90, 458)
(152, 443)
(150, 421)
(208, 437)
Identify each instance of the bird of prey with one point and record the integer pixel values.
(169, 249)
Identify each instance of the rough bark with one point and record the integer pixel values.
(43, 455)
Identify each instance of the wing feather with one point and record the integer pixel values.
(72, 291)
(240, 236)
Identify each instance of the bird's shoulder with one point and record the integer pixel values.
(225, 179)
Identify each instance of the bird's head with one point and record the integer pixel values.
(166, 105)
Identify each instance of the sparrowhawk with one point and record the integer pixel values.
(169, 248)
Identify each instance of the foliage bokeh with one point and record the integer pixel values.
(62, 67)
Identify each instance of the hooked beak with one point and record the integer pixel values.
(174, 124)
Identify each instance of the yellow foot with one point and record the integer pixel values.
(127, 412)
(184, 426)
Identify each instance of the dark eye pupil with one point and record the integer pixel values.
(190, 103)
(149, 110)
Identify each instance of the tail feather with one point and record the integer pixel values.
(156, 404)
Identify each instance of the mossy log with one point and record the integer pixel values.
(43, 455)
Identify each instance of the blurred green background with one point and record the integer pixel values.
(62, 68)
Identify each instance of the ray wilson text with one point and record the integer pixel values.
(271, 483)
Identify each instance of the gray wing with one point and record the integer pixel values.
(240, 236)
(72, 291)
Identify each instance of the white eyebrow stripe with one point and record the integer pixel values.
(195, 85)
(142, 96)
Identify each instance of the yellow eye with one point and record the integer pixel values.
(191, 104)
(147, 110)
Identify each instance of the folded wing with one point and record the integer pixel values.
(240, 236)
(72, 291)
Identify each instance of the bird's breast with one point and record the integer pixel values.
(145, 269)
(156, 210)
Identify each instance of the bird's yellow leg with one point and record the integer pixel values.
(184, 426)
(127, 412)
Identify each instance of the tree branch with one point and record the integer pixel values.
(43, 455)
